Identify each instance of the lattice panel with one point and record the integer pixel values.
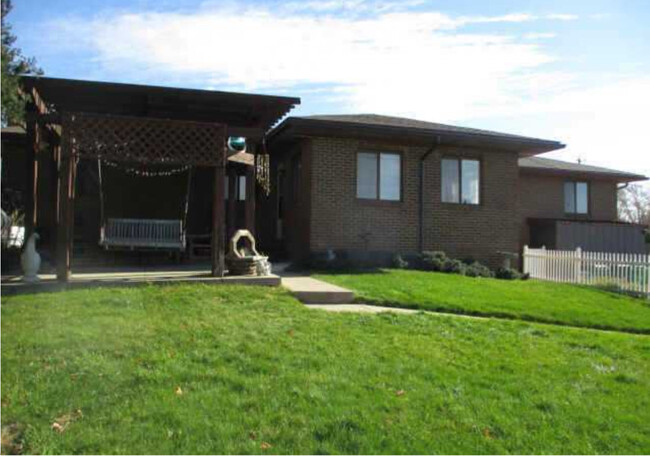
(144, 140)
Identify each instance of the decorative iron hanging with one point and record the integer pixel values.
(262, 169)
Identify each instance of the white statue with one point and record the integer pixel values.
(30, 260)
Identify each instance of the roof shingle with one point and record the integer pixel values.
(542, 164)
(391, 121)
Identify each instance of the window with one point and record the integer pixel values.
(576, 197)
(241, 188)
(379, 176)
(460, 181)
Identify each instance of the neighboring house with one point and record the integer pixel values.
(370, 186)
(568, 205)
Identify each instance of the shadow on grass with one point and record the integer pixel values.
(352, 270)
(500, 315)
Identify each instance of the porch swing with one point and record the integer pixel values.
(143, 234)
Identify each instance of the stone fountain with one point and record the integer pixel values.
(244, 259)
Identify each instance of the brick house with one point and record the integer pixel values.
(371, 186)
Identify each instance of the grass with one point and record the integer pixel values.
(530, 300)
(200, 369)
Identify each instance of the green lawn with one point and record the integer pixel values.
(200, 369)
(532, 300)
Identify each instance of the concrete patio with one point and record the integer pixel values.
(13, 284)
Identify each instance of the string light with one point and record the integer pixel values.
(146, 173)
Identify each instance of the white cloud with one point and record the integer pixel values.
(386, 59)
(539, 36)
(257, 48)
(603, 125)
(562, 17)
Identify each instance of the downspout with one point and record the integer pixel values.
(421, 196)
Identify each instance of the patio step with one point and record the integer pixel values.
(312, 291)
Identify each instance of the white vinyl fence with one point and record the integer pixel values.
(626, 272)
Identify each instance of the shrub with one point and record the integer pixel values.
(477, 269)
(453, 266)
(399, 263)
(432, 261)
(509, 274)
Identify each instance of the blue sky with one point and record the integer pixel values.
(576, 71)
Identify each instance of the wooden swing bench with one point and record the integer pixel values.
(143, 234)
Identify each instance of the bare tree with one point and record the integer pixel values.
(634, 204)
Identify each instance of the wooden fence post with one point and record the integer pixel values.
(647, 269)
(577, 268)
(525, 265)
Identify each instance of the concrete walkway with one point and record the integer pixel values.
(313, 291)
(360, 308)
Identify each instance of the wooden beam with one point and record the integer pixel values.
(31, 187)
(54, 193)
(218, 219)
(232, 201)
(65, 228)
(250, 199)
(248, 133)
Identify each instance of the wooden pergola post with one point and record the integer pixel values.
(250, 199)
(31, 161)
(232, 201)
(64, 234)
(218, 219)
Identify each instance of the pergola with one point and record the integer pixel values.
(69, 120)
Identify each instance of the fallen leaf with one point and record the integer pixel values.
(400, 392)
(290, 332)
(252, 436)
(178, 391)
(61, 423)
(265, 445)
(486, 433)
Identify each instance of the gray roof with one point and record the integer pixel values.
(390, 121)
(558, 166)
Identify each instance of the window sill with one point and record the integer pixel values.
(376, 202)
(461, 206)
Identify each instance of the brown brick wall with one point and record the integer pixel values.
(329, 216)
(341, 221)
(481, 231)
(542, 196)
